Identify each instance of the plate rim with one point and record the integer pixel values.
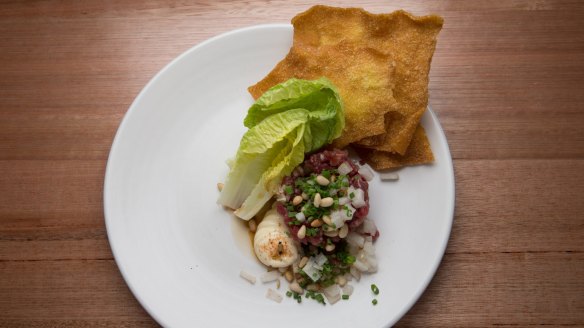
(132, 108)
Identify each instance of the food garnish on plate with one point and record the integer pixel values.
(380, 64)
(351, 79)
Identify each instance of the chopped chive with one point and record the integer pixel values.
(288, 190)
(288, 293)
(374, 302)
(345, 297)
(374, 289)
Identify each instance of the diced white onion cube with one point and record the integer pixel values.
(369, 227)
(300, 217)
(274, 296)
(247, 276)
(388, 176)
(362, 266)
(333, 299)
(366, 172)
(332, 291)
(358, 199)
(345, 168)
(355, 239)
(347, 290)
(320, 259)
(270, 276)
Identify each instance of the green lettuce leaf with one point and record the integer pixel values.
(319, 97)
(289, 120)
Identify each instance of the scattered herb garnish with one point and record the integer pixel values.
(316, 296)
(374, 289)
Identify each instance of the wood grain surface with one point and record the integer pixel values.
(506, 84)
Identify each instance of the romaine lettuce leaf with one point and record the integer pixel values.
(289, 120)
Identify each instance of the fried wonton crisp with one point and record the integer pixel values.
(362, 76)
(408, 43)
(380, 65)
(419, 152)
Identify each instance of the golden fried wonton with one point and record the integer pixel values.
(379, 63)
(409, 44)
(362, 76)
(419, 152)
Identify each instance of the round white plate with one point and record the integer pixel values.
(181, 254)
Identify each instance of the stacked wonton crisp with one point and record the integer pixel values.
(380, 65)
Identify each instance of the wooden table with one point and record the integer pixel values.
(506, 82)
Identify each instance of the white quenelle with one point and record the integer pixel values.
(272, 244)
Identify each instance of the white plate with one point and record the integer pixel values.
(181, 254)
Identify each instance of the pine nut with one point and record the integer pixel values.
(341, 281)
(312, 287)
(333, 233)
(316, 223)
(328, 228)
(344, 231)
(317, 200)
(252, 225)
(297, 200)
(333, 178)
(322, 180)
(220, 186)
(288, 275)
(330, 247)
(303, 262)
(326, 202)
(304, 196)
(327, 220)
(295, 287)
(301, 232)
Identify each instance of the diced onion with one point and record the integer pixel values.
(368, 248)
(348, 276)
(344, 200)
(347, 290)
(311, 270)
(270, 276)
(314, 266)
(300, 217)
(388, 176)
(366, 172)
(372, 262)
(273, 295)
(320, 259)
(358, 199)
(333, 299)
(332, 290)
(247, 276)
(369, 227)
(355, 239)
(362, 266)
(355, 273)
(332, 293)
(345, 168)
(337, 219)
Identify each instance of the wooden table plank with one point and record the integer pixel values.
(469, 290)
(503, 289)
